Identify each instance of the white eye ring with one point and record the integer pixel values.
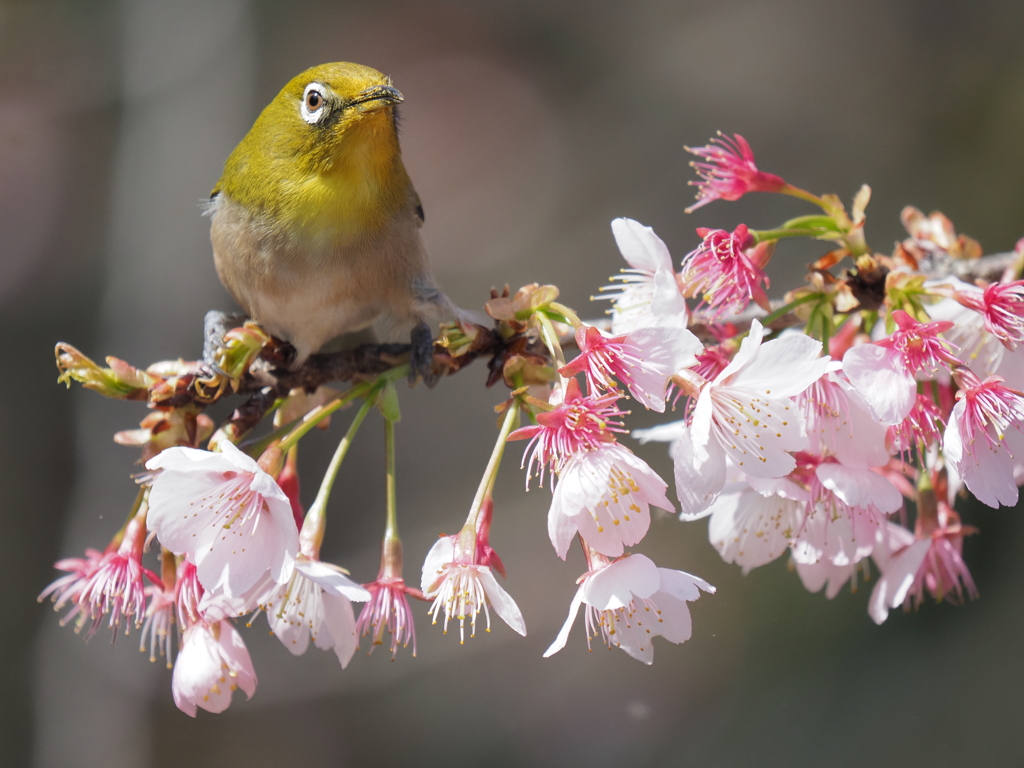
(314, 93)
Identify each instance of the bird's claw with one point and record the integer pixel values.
(421, 356)
(215, 325)
(212, 379)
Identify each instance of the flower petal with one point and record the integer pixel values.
(875, 373)
(860, 487)
(563, 633)
(614, 585)
(891, 588)
(340, 623)
(501, 601)
(331, 579)
(640, 247)
(682, 585)
(697, 485)
(785, 366)
(675, 624)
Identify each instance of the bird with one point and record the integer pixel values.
(315, 224)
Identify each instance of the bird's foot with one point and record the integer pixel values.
(421, 356)
(216, 324)
(228, 351)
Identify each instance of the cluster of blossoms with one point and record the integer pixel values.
(904, 385)
(785, 448)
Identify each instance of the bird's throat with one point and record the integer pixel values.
(357, 191)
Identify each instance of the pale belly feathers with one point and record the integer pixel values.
(310, 290)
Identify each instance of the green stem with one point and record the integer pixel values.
(391, 528)
(550, 337)
(567, 313)
(491, 473)
(140, 497)
(760, 235)
(312, 533)
(320, 413)
(803, 194)
(776, 314)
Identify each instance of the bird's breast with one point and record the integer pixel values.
(310, 284)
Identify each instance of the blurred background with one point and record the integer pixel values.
(527, 127)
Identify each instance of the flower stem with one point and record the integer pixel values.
(927, 503)
(803, 194)
(391, 528)
(321, 412)
(312, 534)
(491, 473)
(760, 235)
(567, 313)
(391, 544)
(140, 497)
(550, 337)
(775, 315)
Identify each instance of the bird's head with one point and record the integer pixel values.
(328, 137)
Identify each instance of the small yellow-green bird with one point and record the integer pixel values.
(315, 223)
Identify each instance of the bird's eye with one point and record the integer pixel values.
(314, 104)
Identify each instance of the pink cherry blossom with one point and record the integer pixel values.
(728, 171)
(212, 664)
(576, 425)
(159, 625)
(746, 414)
(388, 609)
(839, 422)
(944, 574)
(847, 506)
(647, 294)
(460, 586)
(630, 601)
(922, 426)
(116, 586)
(979, 348)
(1001, 306)
(931, 561)
(188, 594)
(918, 346)
(884, 373)
(606, 496)
(983, 439)
(225, 513)
(725, 270)
(752, 524)
(644, 361)
(67, 589)
(712, 361)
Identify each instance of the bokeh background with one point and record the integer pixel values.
(527, 126)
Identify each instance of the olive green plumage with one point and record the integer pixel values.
(315, 222)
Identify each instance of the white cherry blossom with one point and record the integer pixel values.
(752, 524)
(631, 601)
(462, 588)
(225, 514)
(984, 441)
(746, 414)
(606, 495)
(314, 603)
(648, 294)
(213, 663)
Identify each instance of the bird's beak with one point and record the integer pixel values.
(378, 97)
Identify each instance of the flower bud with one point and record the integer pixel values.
(120, 381)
